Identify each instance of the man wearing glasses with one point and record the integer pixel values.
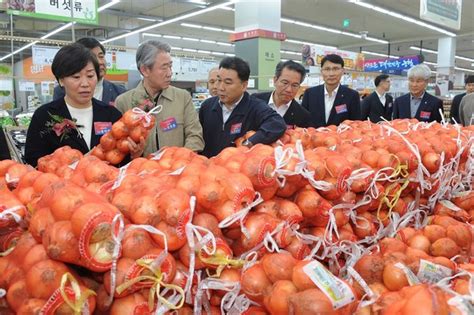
(287, 81)
(331, 103)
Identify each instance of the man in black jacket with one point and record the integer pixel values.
(418, 103)
(379, 104)
(287, 81)
(331, 103)
(232, 113)
(454, 112)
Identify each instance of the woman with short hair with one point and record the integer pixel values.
(77, 120)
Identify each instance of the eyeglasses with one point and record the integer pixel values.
(335, 69)
(285, 84)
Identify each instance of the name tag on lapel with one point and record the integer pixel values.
(168, 124)
(425, 115)
(341, 108)
(235, 128)
(390, 105)
(102, 127)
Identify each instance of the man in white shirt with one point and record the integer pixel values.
(287, 81)
(105, 91)
(331, 103)
(378, 105)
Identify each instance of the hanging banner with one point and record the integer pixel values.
(391, 65)
(443, 12)
(83, 11)
(312, 56)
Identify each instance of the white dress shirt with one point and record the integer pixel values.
(83, 117)
(382, 98)
(226, 112)
(280, 109)
(99, 89)
(329, 100)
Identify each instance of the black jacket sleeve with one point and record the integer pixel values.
(365, 107)
(395, 113)
(36, 144)
(454, 111)
(305, 102)
(355, 113)
(4, 151)
(271, 125)
(439, 106)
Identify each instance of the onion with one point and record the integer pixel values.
(434, 232)
(278, 266)
(277, 299)
(255, 282)
(445, 247)
(300, 278)
(420, 242)
(370, 267)
(394, 278)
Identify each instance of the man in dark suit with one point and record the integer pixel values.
(331, 103)
(418, 103)
(287, 81)
(232, 113)
(454, 112)
(379, 104)
(105, 91)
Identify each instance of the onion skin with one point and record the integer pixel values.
(445, 247)
(420, 242)
(278, 266)
(299, 277)
(394, 278)
(277, 298)
(370, 268)
(255, 282)
(434, 232)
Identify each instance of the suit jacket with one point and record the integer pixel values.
(41, 140)
(373, 109)
(4, 151)
(427, 112)
(466, 110)
(176, 125)
(250, 114)
(346, 106)
(295, 116)
(109, 93)
(454, 112)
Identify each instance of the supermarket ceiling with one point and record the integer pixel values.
(302, 21)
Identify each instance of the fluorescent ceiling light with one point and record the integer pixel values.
(190, 49)
(191, 39)
(59, 29)
(152, 35)
(191, 25)
(332, 30)
(18, 50)
(208, 41)
(379, 54)
(435, 53)
(176, 48)
(290, 52)
(299, 42)
(172, 20)
(224, 44)
(227, 9)
(203, 51)
(171, 37)
(464, 69)
(146, 19)
(108, 5)
(230, 55)
(217, 53)
(401, 17)
(209, 28)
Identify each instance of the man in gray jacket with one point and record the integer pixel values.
(466, 110)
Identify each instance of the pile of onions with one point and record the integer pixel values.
(34, 282)
(114, 145)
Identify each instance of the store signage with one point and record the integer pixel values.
(258, 33)
(444, 12)
(43, 55)
(82, 11)
(312, 56)
(391, 65)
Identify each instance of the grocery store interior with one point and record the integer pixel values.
(378, 217)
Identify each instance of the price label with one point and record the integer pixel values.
(432, 273)
(338, 292)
